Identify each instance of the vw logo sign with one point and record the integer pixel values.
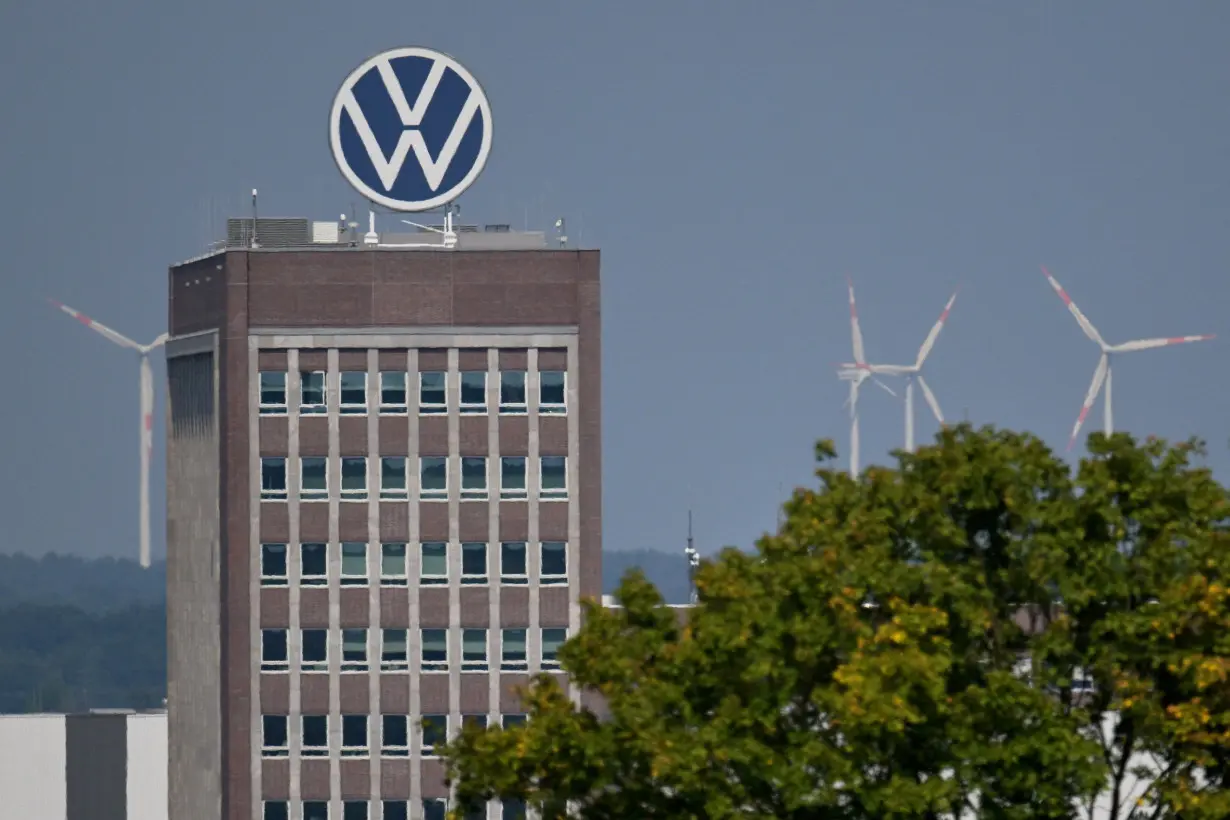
(410, 129)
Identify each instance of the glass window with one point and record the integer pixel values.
(315, 650)
(512, 391)
(432, 399)
(435, 733)
(393, 655)
(393, 392)
(473, 478)
(274, 736)
(473, 650)
(354, 392)
(354, 478)
(313, 565)
(512, 721)
(273, 479)
(474, 720)
(474, 391)
(393, 565)
(317, 810)
(435, 808)
(553, 563)
(435, 650)
(551, 392)
(512, 810)
(354, 650)
(313, 479)
(315, 735)
(273, 565)
(273, 394)
(554, 478)
(354, 563)
(393, 478)
(354, 736)
(512, 563)
(394, 736)
(513, 656)
(354, 809)
(276, 810)
(433, 568)
(311, 393)
(512, 478)
(433, 477)
(552, 639)
(395, 810)
(274, 657)
(473, 562)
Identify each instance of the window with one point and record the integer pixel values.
(273, 565)
(354, 393)
(393, 392)
(474, 720)
(474, 391)
(553, 563)
(393, 655)
(317, 810)
(512, 391)
(393, 565)
(435, 808)
(314, 650)
(473, 650)
(435, 650)
(315, 736)
(512, 478)
(313, 565)
(273, 394)
(435, 733)
(551, 392)
(273, 479)
(393, 478)
(554, 478)
(354, 650)
(311, 393)
(275, 740)
(433, 478)
(432, 399)
(433, 569)
(473, 563)
(354, 736)
(354, 810)
(354, 478)
(395, 810)
(477, 814)
(473, 478)
(394, 736)
(512, 810)
(552, 639)
(313, 479)
(354, 563)
(512, 563)
(512, 650)
(512, 721)
(274, 656)
(276, 810)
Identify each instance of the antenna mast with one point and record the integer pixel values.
(693, 562)
(254, 243)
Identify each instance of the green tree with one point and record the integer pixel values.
(908, 645)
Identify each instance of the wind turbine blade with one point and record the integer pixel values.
(925, 350)
(855, 331)
(1148, 344)
(97, 327)
(157, 343)
(1086, 325)
(888, 389)
(930, 397)
(1099, 376)
(147, 447)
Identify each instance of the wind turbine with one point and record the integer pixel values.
(147, 410)
(856, 374)
(1101, 373)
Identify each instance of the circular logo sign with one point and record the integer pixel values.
(410, 129)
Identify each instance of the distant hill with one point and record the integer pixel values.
(94, 585)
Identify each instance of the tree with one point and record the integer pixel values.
(909, 645)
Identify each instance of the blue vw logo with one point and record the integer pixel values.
(410, 129)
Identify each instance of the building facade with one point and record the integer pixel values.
(383, 508)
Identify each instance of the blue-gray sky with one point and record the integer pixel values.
(734, 161)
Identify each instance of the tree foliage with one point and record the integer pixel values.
(910, 645)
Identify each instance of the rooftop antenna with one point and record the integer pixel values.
(371, 237)
(254, 243)
(693, 562)
(449, 234)
(560, 230)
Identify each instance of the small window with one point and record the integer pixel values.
(354, 736)
(474, 391)
(354, 563)
(394, 736)
(512, 721)
(473, 563)
(554, 478)
(432, 398)
(273, 565)
(551, 392)
(393, 655)
(393, 478)
(354, 650)
(512, 563)
(311, 393)
(313, 565)
(313, 479)
(317, 810)
(513, 656)
(273, 479)
(473, 478)
(393, 565)
(433, 477)
(552, 639)
(275, 740)
(354, 478)
(433, 568)
(395, 810)
(314, 648)
(393, 392)
(512, 478)
(273, 394)
(354, 809)
(315, 736)
(435, 733)
(512, 392)
(474, 650)
(274, 657)
(435, 650)
(354, 393)
(435, 808)
(553, 563)
(276, 810)
(511, 810)
(473, 720)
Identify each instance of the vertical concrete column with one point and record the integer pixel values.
(294, 647)
(334, 552)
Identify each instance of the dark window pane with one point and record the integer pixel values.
(511, 721)
(315, 561)
(315, 644)
(354, 388)
(551, 389)
(354, 810)
(393, 728)
(553, 473)
(512, 387)
(513, 810)
(354, 730)
(474, 389)
(315, 730)
(512, 558)
(273, 645)
(434, 473)
(435, 731)
(395, 810)
(273, 560)
(275, 731)
(431, 388)
(277, 810)
(554, 558)
(315, 810)
(474, 559)
(433, 809)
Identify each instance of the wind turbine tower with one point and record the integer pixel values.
(856, 373)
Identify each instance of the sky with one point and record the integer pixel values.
(733, 161)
